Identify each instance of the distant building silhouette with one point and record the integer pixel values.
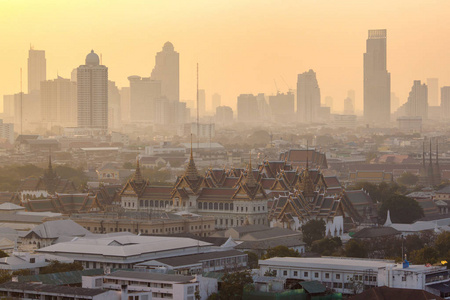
(144, 93)
(114, 115)
(92, 94)
(395, 102)
(352, 96)
(125, 104)
(445, 102)
(215, 101)
(308, 97)
(349, 109)
(59, 102)
(167, 70)
(247, 108)
(433, 91)
(328, 102)
(282, 106)
(37, 69)
(377, 80)
(417, 105)
(430, 174)
(201, 102)
(224, 115)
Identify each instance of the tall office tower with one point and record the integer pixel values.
(308, 97)
(215, 101)
(224, 115)
(445, 102)
(73, 75)
(282, 106)
(167, 70)
(59, 102)
(92, 94)
(351, 95)
(247, 108)
(114, 115)
(201, 102)
(263, 110)
(377, 80)
(328, 102)
(8, 106)
(417, 105)
(125, 104)
(395, 102)
(37, 69)
(143, 95)
(349, 109)
(433, 91)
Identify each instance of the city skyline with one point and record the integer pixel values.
(295, 38)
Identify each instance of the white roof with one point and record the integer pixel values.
(327, 263)
(10, 206)
(58, 228)
(122, 246)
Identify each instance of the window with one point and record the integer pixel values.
(305, 274)
(316, 275)
(285, 273)
(190, 290)
(338, 276)
(295, 273)
(403, 278)
(327, 275)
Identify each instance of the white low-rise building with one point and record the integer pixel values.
(344, 275)
(153, 285)
(433, 279)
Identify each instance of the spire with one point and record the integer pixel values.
(191, 170)
(250, 179)
(388, 219)
(137, 174)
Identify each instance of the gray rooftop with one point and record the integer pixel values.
(150, 276)
(58, 228)
(50, 289)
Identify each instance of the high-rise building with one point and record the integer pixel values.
(114, 115)
(417, 105)
(201, 102)
(282, 106)
(167, 70)
(7, 132)
(224, 115)
(215, 101)
(349, 109)
(59, 102)
(395, 102)
(445, 102)
(247, 108)
(144, 93)
(125, 104)
(377, 80)
(433, 91)
(328, 102)
(308, 97)
(37, 69)
(92, 94)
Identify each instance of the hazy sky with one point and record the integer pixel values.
(241, 46)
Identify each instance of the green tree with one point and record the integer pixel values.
(313, 230)
(355, 248)
(281, 251)
(5, 275)
(327, 246)
(58, 267)
(402, 209)
(442, 245)
(252, 259)
(233, 285)
(424, 256)
(270, 273)
(408, 178)
(3, 254)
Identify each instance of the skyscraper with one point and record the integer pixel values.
(377, 80)
(37, 69)
(282, 106)
(144, 93)
(59, 102)
(445, 102)
(417, 105)
(215, 101)
(92, 94)
(308, 97)
(167, 70)
(247, 108)
(433, 91)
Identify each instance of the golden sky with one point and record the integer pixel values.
(241, 46)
